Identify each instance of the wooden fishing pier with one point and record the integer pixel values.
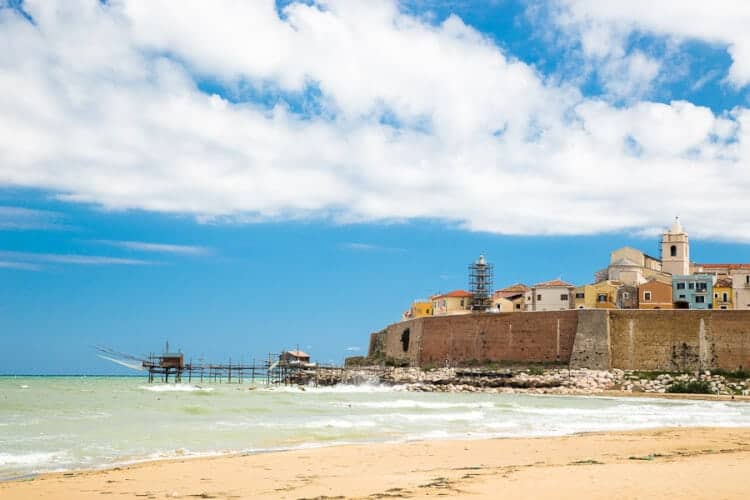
(288, 367)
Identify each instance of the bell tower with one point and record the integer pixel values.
(675, 250)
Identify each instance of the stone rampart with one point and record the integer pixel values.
(668, 340)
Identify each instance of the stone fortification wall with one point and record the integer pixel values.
(679, 340)
(668, 340)
(515, 337)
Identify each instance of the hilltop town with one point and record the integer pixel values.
(632, 280)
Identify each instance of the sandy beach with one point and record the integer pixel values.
(676, 463)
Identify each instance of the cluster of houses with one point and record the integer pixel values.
(633, 280)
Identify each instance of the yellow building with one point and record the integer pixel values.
(418, 309)
(723, 294)
(601, 295)
(604, 294)
(455, 302)
(585, 297)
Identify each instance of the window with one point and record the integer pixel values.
(723, 307)
(700, 299)
(580, 295)
(646, 295)
(680, 286)
(701, 286)
(724, 297)
(602, 297)
(625, 295)
(747, 279)
(563, 296)
(518, 306)
(691, 285)
(673, 251)
(462, 302)
(716, 295)
(682, 296)
(539, 297)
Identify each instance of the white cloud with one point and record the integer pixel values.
(603, 26)
(19, 218)
(369, 247)
(417, 121)
(24, 266)
(24, 258)
(143, 246)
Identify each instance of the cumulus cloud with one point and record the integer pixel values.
(603, 27)
(344, 110)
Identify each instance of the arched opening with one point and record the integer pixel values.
(405, 340)
(673, 251)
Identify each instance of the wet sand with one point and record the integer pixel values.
(676, 463)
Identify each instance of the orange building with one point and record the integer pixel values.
(655, 294)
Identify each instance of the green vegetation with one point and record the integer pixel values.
(693, 387)
(396, 362)
(589, 461)
(536, 370)
(653, 375)
(739, 374)
(359, 361)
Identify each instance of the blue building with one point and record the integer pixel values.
(693, 291)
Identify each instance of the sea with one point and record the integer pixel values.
(68, 423)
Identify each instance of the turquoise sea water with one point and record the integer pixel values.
(61, 423)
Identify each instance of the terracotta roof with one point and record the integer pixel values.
(552, 284)
(512, 290)
(722, 266)
(454, 293)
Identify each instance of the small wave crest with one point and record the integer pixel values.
(411, 403)
(31, 459)
(175, 388)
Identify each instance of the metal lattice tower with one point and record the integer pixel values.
(480, 284)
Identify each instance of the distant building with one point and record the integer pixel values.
(693, 291)
(723, 293)
(580, 300)
(631, 267)
(655, 294)
(503, 305)
(675, 250)
(627, 297)
(740, 276)
(294, 357)
(418, 309)
(516, 294)
(606, 294)
(455, 302)
(554, 295)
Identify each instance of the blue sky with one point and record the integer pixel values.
(242, 179)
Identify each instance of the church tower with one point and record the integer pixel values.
(675, 250)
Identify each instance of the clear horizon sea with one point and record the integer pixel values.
(61, 423)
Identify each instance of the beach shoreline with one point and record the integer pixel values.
(681, 462)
